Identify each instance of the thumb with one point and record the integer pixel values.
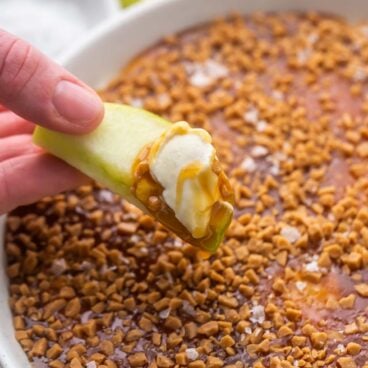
(41, 91)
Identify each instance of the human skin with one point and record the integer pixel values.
(34, 89)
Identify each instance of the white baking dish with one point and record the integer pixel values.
(45, 34)
(99, 57)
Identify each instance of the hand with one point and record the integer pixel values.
(35, 89)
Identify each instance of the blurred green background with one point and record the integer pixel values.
(126, 3)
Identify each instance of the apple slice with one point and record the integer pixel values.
(115, 153)
(107, 154)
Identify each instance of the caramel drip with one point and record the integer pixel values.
(188, 172)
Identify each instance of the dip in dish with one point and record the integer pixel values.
(93, 281)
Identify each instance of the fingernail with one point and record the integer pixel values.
(76, 104)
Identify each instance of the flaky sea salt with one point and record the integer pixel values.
(279, 156)
(188, 308)
(251, 115)
(340, 348)
(312, 266)
(364, 30)
(50, 25)
(164, 313)
(86, 316)
(360, 74)
(313, 38)
(275, 170)
(85, 266)
(204, 74)
(178, 243)
(261, 125)
(259, 151)
(277, 95)
(215, 69)
(290, 233)
(91, 364)
(191, 353)
(76, 340)
(106, 196)
(119, 354)
(136, 102)
(249, 164)
(104, 269)
(163, 99)
(117, 323)
(59, 266)
(303, 55)
(258, 314)
(199, 79)
(300, 285)
(40, 362)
